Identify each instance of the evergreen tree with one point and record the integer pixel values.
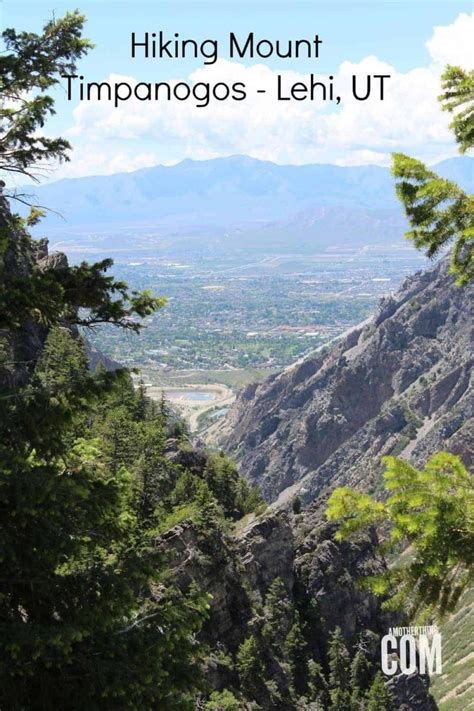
(338, 657)
(433, 511)
(31, 65)
(164, 408)
(221, 475)
(153, 470)
(379, 697)
(296, 652)
(250, 665)
(223, 701)
(62, 365)
(141, 402)
(209, 516)
(439, 211)
(318, 687)
(80, 623)
(278, 613)
(458, 96)
(359, 677)
(121, 439)
(296, 505)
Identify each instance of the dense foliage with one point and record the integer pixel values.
(90, 615)
(277, 666)
(85, 618)
(432, 511)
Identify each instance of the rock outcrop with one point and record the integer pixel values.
(321, 579)
(399, 384)
(21, 257)
(18, 257)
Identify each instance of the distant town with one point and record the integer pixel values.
(227, 318)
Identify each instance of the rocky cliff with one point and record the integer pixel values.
(397, 385)
(18, 258)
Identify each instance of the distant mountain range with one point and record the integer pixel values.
(271, 203)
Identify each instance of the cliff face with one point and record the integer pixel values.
(399, 384)
(18, 257)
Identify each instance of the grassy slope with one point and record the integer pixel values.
(454, 689)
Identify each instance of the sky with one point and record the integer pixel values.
(411, 41)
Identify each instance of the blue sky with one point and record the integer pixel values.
(357, 37)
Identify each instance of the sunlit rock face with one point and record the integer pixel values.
(399, 384)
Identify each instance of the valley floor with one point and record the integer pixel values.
(197, 403)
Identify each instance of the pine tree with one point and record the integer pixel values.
(318, 687)
(153, 470)
(338, 657)
(223, 701)
(141, 402)
(359, 676)
(250, 665)
(458, 96)
(432, 510)
(439, 211)
(31, 65)
(62, 365)
(210, 515)
(379, 697)
(296, 505)
(278, 612)
(296, 652)
(221, 475)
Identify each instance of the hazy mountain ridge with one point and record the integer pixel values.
(224, 191)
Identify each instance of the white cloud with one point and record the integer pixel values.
(453, 44)
(138, 133)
